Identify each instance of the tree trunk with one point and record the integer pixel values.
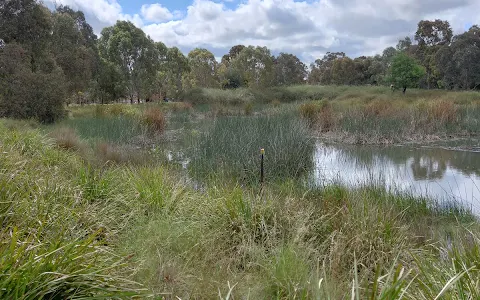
(404, 89)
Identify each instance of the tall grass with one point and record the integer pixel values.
(71, 230)
(56, 234)
(230, 148)
(118, 130)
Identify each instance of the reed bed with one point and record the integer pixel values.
(230, 148)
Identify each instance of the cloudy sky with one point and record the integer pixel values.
(307, 28)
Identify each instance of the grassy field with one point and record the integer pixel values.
(93, 207)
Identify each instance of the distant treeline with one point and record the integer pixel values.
(50, 58)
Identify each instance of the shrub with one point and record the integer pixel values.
(25, 94)
(195, 96)
(309, 111)
(155, 120)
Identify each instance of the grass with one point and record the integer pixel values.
(230, 148)
(52, 244)
(76, 229)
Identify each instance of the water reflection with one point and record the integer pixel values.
(437, 173)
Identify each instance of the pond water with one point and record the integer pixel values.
(441, 174)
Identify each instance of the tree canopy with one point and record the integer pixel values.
(39, 47)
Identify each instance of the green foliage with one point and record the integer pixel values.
(203, 67)
(230, 148)
(405, 72)
(26, 94)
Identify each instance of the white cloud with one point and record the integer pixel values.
(100, 13)
(307, 29)
(156, 13)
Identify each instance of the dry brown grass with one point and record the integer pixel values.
(66, 138)
(443, 111)
(154, 119)
(319, 114)
(181, 106)
(276, 103)
(379, 108)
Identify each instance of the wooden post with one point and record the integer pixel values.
(262, 177)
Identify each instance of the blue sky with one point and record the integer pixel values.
(307, 28)
(132, 6)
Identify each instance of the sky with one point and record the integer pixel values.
(307, 28)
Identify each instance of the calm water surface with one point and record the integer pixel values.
(449, 175)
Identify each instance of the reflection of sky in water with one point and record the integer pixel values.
(439, 174)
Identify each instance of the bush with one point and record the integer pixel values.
(155, 120)
(195, 96)
(25, 94)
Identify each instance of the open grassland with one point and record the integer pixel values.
(78, 219)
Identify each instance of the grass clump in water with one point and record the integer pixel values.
(230, 148)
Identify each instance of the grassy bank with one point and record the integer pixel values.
(365, 115)
(70, 227)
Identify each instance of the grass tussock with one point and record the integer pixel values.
(230, 148)
(318, 114)
(66, 138)
(154, 119)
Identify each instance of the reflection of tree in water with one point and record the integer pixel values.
(426, 163)
(427, 167)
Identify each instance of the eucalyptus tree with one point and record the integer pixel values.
(128, 48)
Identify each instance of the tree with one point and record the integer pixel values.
(405, 72)
(203, 68)
(289, 70)
(404, 44)
(109, 84)
(459, 62)
(431, 36)
(89, 39)
(176, 67)
(29, 24)
(321, 72)
(232, 54)
(342, 71)
(27, 94)
(72, 53)
(132, 51)
(431, 33)
(255, 65)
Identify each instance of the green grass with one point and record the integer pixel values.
(76, 229)
(58, 225)
(119, 130)
(230, 148)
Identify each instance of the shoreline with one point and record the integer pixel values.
(469, 144)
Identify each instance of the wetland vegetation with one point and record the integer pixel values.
(108, 189)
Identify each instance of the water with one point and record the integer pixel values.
(441, 174)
